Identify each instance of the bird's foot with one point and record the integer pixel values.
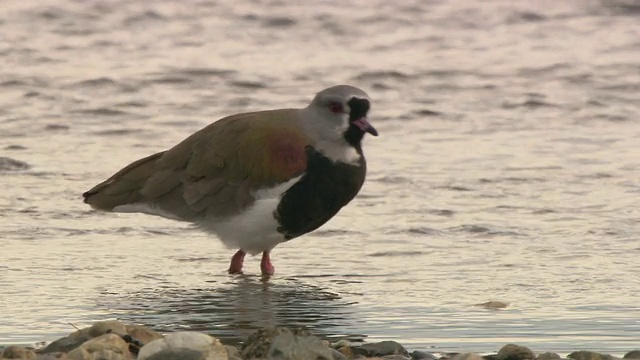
(266, 266)
(236, 262)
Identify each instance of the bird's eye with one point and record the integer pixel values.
(335, 107)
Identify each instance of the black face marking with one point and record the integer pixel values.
(322, 191)
(359, 109)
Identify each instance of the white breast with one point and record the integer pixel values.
(255, 229)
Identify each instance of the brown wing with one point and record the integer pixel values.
(215, 171)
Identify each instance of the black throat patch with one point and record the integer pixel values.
(359, 109)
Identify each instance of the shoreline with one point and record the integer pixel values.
(115, 340)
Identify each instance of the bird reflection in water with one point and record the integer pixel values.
(234, 309)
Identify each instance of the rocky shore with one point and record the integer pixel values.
(114, 340)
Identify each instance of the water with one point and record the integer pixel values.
(507, 169)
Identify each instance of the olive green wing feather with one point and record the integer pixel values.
(214, 172)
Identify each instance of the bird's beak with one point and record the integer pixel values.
(364, 125)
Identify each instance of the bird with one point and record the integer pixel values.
(254, 179)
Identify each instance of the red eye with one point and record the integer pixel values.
(335, 107)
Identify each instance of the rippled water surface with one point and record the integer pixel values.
(508, 168)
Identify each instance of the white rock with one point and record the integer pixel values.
(211, 347)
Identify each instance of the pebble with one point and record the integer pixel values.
(259, 343)
(493, 304)
(142, 333)
(548, 356)
(423, 355)
(114, 340)
(341, 343)
(288, 346)
(53, 356)
(184, 345)
(467, 356)
(67, 343)
(18, 352)
(515, 352)
(588, 355)
(103, 347)
(9, 164)
(383, 348)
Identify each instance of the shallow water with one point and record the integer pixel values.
(507, 169)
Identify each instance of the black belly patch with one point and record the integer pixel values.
(322, 191)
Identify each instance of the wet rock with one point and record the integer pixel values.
(232, 351)
(142, 333)
(18, 352)
(347, 352)
(548, 356)
(418, 355)
(341, 343)
(53, 356)
(384, 348)
(184, 345)
(493, 305)
(104, 327)
(105, 347)
(67, 343)
(259, 343)
(77, 338)
(178, 354)
(9, 164)
(515, 352)
(337, 355)
(468, 356)
(288, 346)
(588, 355)
(634, 354)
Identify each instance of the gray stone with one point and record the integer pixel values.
(548, 356)
(384, 348)
(634, 354)
(67, 343)
(53, 356)
(341, 343)
(337, 355)
(589, 355)
(288, 346)
(418, 355)
(232, 351)
(9, 164)
(395, 357)
(77, 338)
(259, 343)
(142, 333)
(178, 354)
(210, 347)
(104, 327)
(515, 352)
(105, 347)
(468, 356)
(493, 305)
(18, 352)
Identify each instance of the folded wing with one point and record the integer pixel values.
(217, 171)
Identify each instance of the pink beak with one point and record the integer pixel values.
(365, 126)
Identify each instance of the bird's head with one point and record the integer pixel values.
(341, 114)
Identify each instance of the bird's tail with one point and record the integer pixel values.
(124, 187)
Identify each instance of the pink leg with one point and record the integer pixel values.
(265, 265)
(236, 262)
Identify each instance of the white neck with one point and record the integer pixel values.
(327, 139)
